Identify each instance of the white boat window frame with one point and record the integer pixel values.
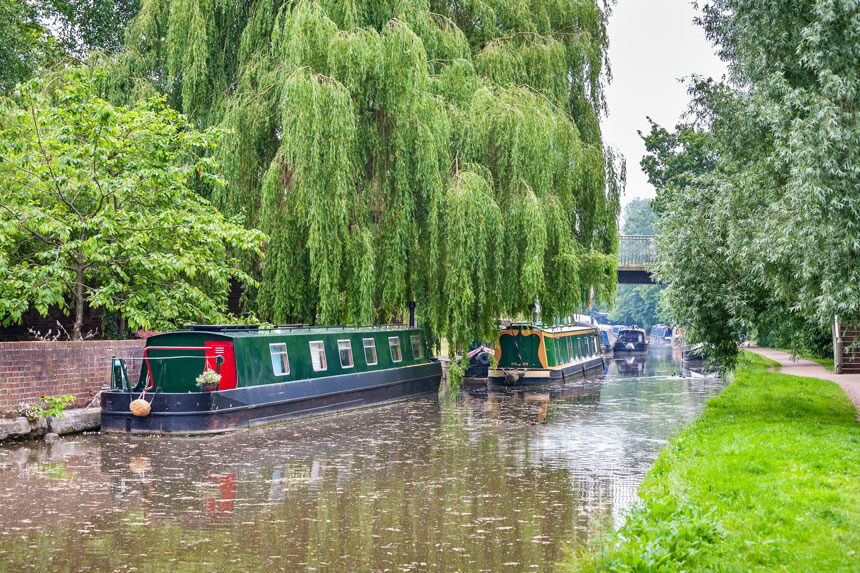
(412, 340)
(372, 342)
(273, 352)
(391, 340)
(340, 349)
(314, 363)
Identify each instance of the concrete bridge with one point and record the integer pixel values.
(636, 255)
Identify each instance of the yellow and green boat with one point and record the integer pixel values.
(529, 353)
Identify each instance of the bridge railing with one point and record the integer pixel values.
(637, 251)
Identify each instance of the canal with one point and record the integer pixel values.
(484, 481)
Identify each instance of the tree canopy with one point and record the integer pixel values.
(25, 45)
(97, 209)
(639, 218)
(400, 150)
(758, 189)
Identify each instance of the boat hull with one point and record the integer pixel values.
(228, 410)
(530, 376)
(620, 348)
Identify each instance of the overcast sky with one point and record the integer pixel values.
(652, 45)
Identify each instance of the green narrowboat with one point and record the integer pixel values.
(534, 354)
(266, 375)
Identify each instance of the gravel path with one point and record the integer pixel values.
(795, 366)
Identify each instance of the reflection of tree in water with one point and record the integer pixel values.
(344, 492)
(467, 483)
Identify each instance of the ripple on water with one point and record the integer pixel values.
(484, 481)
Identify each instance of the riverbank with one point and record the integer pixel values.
(768, 478)
(71, 422)
(786, 363)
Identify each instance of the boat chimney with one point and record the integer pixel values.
(411, 314)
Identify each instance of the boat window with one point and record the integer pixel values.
(280, 362)
(344, 350)
(370, 351)
(318, 356)
(417, 348)
(394, 346)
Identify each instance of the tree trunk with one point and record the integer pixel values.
(79, 303)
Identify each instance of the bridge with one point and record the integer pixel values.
(636, 254)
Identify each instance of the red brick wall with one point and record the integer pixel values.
(29, 370)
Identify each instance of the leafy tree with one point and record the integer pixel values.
(448, 153)
(767, 235)
(25, 45)
(97, 210)
(84, 25)
(639, 305)
(639, 218)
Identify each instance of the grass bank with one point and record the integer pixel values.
(768, 478)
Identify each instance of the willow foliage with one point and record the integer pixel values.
(401, 150)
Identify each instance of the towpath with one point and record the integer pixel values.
(795, 366)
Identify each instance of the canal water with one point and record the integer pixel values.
(484, 481)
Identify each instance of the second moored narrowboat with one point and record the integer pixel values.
(264, 375)
(533, 354)
(630, 340)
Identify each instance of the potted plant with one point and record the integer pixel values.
(209, 380)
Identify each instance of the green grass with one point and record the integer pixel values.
(768, 478)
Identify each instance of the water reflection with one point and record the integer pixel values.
(486, 481)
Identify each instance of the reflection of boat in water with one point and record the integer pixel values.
(535, 404)
(265, 375)
(536, 354)
(630, 340)
(257, 467)
(631, 364)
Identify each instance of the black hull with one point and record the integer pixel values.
(621, 348)
(212, 412)
(560, 376)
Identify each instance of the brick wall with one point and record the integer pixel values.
(29, 370)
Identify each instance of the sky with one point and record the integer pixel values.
(652, 45)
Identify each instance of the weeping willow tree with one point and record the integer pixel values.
(447, 153)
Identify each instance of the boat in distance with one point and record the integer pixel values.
(630, 340)
(530, 353)
(662, 334)
(266, 375)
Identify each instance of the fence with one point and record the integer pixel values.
(637, 251)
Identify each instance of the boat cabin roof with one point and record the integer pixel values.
(254, 331)
(565, 328)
